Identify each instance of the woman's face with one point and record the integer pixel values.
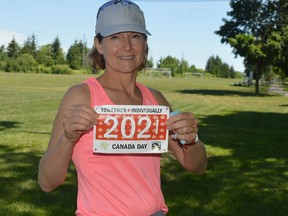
(123, 52)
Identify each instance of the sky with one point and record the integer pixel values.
(181, 29)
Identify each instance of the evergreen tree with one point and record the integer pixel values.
(30, 46)
(216, 67)
(13, 49)
(76, 55)
(3, 57)
(224, 71)
(232, 72)
(57, 52)
(3, 54)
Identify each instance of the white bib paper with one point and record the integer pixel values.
(131, 129)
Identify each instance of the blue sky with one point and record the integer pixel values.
(182, 29)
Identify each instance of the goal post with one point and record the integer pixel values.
(156, 73)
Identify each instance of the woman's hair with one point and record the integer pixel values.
(97, 61)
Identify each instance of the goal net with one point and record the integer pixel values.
(156, 73)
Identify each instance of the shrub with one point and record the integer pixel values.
(83, 71)
(2, 65)
(61, 69)
(42, 69)
(23, 63)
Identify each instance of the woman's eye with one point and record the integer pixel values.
(113, 37)
(136, 36)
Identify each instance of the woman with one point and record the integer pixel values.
(115, 184)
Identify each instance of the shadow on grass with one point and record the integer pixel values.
(246, 175)
(8, 125)
(20, 193)
(247, 169)
(220, 92)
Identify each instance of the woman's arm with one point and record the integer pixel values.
(74, 117)
(192, 156)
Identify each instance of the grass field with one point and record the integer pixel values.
(246, 137)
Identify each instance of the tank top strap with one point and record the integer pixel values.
(148, 97)
(97, 93)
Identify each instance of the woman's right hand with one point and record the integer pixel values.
(77, 120)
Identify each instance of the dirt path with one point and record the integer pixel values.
(278, 90)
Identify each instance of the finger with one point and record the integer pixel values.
(184, 125)
(74, 128)
(180, 116)
(77, 123)
(85, 108)
(188, 138)
(188, 129)
(82, 111)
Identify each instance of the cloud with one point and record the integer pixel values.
(7, 36)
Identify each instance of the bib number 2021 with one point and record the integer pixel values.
(133, 123)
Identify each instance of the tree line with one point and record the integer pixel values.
(51, 58)
(256, 30)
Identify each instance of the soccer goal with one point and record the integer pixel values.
(156, 73)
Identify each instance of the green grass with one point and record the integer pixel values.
(245, 135)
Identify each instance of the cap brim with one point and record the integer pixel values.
(110, 30)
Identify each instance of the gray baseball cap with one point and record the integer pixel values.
(120, 17)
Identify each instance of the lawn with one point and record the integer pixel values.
(245, 135)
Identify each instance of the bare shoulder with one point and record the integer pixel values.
(78, 94)
(159, 97)
(79, 88)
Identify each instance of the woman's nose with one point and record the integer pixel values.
(126, 43)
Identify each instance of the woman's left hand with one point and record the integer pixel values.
(183, 126)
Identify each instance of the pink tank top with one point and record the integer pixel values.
(112, 184)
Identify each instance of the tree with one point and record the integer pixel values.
(169, 62)
(57, 52)
(224, 71)
(30, 46)
(3, 54)
(248, 31)
(213, 65)
(3, 57)
(76, 54)
(277, 47)
(192, 69)
(232, 72)
(150, 63)
(44, 56)
(183, 66)
(216, 67)
(13, 49)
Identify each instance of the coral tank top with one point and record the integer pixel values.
(116, 184)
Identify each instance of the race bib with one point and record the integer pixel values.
(131, 129)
